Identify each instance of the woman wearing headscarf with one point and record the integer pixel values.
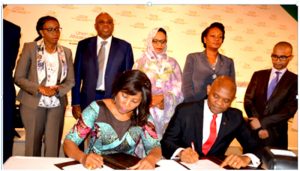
(165, 75)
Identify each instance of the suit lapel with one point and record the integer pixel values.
(220, 63)
(93, 53)
(281, 84)
(111, 55)
(264, 79)
(204, 60)
(223, 128)
(199, 126)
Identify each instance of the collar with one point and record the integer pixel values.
(99, 40)
(281, 71)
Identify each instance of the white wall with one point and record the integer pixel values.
(251, 30)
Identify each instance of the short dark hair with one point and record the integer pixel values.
(213, 25)
(40, 25)
(131, 82)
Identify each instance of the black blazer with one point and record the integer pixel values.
(186, 126)
(11, 44)
(275, 112)
(120, 59)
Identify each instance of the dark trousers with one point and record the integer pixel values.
(8, 126)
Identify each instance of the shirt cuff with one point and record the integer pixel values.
(255, 162)
(176, 153)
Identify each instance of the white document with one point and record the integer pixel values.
(165, 165)
(283, 152)
(81, 167)
(203, 164)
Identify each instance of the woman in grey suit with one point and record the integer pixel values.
(201, 68)
(44, 74)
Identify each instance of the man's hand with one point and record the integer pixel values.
(236, 161)
(189, 155)
(255, 124)
(76, 111)
(263, 134)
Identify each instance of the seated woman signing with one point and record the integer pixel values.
(117, 125)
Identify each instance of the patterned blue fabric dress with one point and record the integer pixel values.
(106, 137)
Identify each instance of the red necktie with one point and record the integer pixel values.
(212, 135)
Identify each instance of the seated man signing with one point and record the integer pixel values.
(207, 128)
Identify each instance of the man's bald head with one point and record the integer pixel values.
(226, 82)
(220, 94)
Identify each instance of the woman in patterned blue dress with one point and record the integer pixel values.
(117, 125)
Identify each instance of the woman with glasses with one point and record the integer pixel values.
(45, 75)
(165, 75)
(201, 68)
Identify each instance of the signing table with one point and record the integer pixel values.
(49, 163)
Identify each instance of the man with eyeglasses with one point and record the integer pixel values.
(271, 99)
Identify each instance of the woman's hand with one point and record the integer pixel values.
(149, 161)
(158, 101)
(48, 91)
(146, 163)
(92, 161)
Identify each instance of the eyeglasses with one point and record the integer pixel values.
(102, 22)
(281, 58)
(52, 30)
(156, 41)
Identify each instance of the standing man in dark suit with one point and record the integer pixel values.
(191, 128)
(269, 111)
(11, 44)
(89, 84)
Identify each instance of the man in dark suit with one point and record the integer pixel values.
(191, 127)
(118, 58)
(269, 112)
(11, 44)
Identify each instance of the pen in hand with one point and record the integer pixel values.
(192, 145)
